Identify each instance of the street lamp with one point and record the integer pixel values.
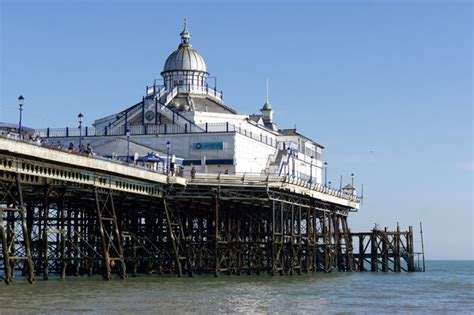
(79, 118)
(288, 161)
(20, 103)
(168, 158)
(311, 170)
(127, 132)
(352, 176)
(325, 174)
(293, 167)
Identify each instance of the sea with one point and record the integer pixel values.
(447, 287)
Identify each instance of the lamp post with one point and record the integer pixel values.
(288, 162)
(325, 174)
(168, 158)
(352, 177)
(293, 167)
(127, 131)
(79, 118)
(311, 170)
(20, 103)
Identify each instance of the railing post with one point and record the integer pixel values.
(87, 131)
(146, 129)
(207, 128)
(143, 110)
(166, 127)
(156, 111)
(105, 130)
(47, 132)
(185, 128)
(126, 123)
(67, 132)
(227, 126)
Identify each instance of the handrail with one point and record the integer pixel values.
(266, 179)
(156, 129)
(185, 88)
(164, 108)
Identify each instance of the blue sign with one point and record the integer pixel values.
(208, 146)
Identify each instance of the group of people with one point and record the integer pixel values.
(81, 149)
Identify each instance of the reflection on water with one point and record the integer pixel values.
(445, 287)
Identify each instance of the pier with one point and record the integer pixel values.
(69, 214)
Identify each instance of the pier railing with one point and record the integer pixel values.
(97, 157)
(153, 129)
(161, 90)
(268, 180)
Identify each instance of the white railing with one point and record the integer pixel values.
(171, 95)
(130, 115)
(160, 91)
(156, 129)
(269, 179)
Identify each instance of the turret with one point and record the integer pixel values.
(267, 116)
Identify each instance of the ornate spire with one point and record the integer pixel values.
(185, 35)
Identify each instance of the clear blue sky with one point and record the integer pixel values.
(386, 86)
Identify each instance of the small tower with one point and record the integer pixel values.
(267, 114)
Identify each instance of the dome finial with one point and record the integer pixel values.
(185, 35)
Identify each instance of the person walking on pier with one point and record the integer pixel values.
(89, 149)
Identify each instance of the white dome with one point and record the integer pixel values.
(185, 57)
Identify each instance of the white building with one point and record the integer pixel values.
(210, 136)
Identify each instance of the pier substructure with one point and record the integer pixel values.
(253, 231)
(63, 229)
(383, 250)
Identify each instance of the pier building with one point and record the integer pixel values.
(184, 109)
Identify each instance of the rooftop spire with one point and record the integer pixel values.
(185, 35)
(267, 91)
(267, 105)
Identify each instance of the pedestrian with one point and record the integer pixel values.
(193, 172)
(89, 149)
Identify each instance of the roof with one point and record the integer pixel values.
(267, 106)
(185, 58)
(255, 118)
(4, 125)
(294, 132)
